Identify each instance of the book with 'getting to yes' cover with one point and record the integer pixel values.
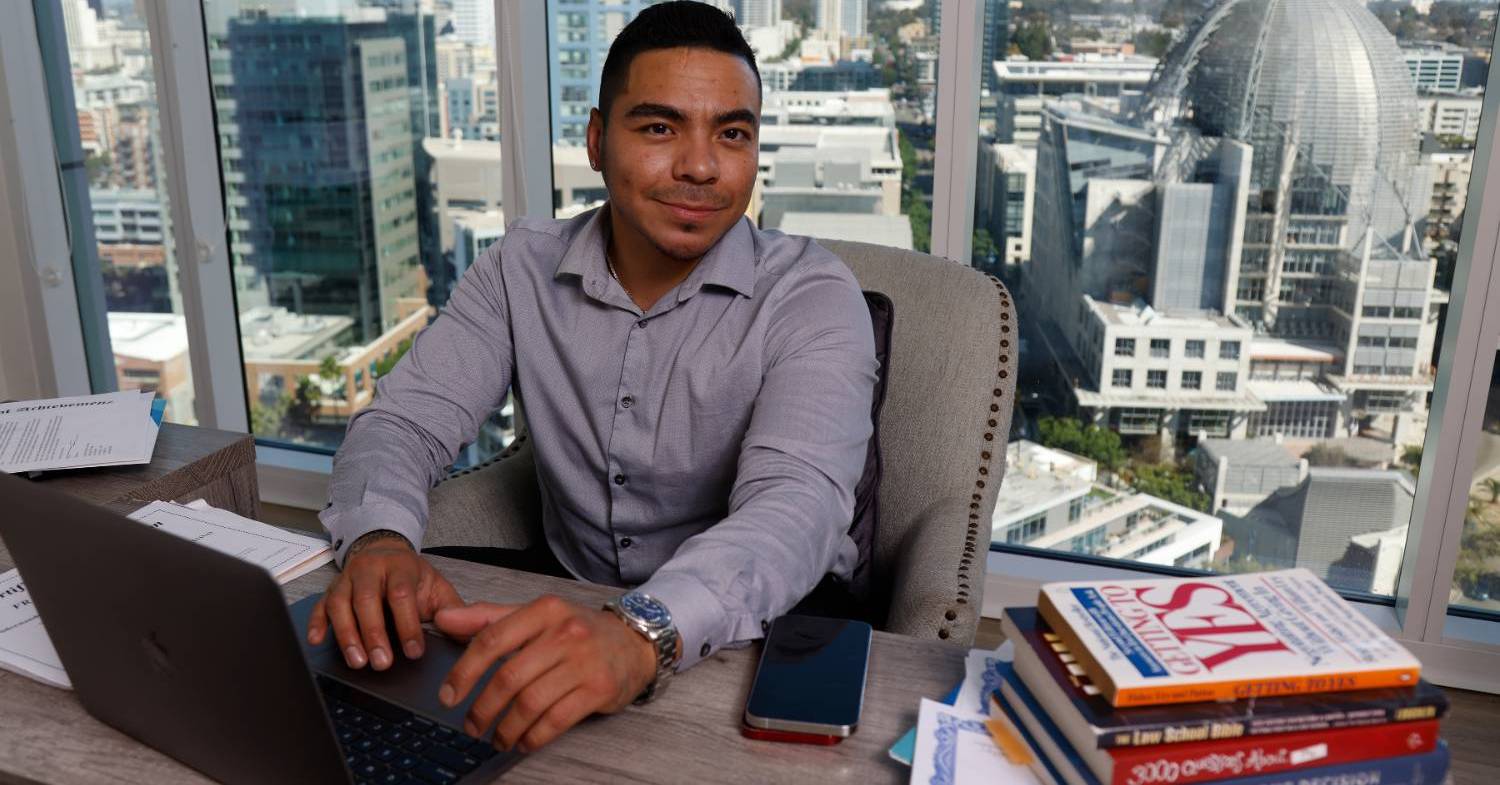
(1229, 637)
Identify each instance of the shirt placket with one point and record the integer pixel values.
(627, 433)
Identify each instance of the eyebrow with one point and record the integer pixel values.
(674, 114)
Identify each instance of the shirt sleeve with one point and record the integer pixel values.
(793, 495)
(435, 399)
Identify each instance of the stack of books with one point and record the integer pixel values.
(1262, 679)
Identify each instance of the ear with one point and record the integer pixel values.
(596, 139)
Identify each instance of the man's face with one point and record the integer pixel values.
(680, 151)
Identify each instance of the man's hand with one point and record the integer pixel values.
(382, 567)
(568, 662)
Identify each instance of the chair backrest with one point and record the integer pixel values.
(949, 395)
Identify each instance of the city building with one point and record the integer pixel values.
(1238, 474)
(1284, 226)
(893, 231)
(1052, 499)
(1451, 171)
(847, 19)
(281, 347)
(1004, 197)
(1435, 67)
(473, 232)
(1023, 87)
(828, 169)
(1333, 522)
(327, 213)
(128, 215)
(1452, 116)
(151, 353)
(759, 13)
(582, 33)
(474, 21)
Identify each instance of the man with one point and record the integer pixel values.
(698, 392)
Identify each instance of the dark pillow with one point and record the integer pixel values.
(859, 598)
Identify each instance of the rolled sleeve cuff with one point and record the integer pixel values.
(347, 525)
(702, 624)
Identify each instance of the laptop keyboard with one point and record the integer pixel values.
(386, 744)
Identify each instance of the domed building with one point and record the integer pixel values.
(1252, 222)
(1320, 81)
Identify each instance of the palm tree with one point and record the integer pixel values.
(1493, 485)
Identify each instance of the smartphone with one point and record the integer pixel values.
(810, 685)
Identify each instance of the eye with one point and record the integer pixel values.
(734, 134)
(657, 128)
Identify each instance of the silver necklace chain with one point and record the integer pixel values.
(610, 263)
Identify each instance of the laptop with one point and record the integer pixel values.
(196, 654)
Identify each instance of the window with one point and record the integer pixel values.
(125, 192)
(1026, 530)
(1192, 380)
(1156, 380)
(1225, 381)
(1124, 347)
(338, 272)
(1161, 347)
(1076, 508)
(1121, 377)
(1229, 350)
(1193, 349)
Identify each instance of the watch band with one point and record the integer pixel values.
(663, 638)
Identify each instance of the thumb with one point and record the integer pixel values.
(464, 622)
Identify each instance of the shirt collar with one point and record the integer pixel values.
(730, 263)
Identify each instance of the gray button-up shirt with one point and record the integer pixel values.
(706, 450)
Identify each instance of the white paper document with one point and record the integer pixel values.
(981, 678)
(24, 645)
(110, 429)
(955, 748)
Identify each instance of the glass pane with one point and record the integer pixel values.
(1476, 577)
(1231, 238)
(361, 158)
(846, 137)
(114, 95)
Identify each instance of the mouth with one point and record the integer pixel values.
(691, 212)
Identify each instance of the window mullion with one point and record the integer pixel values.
(957, 153)
(195, 191)
(525, 109)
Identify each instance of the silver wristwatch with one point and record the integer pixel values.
(649, 617)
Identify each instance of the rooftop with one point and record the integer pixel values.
(1038, 478)
(274, 333)
(1264, 348)
(889, 230)
(1139, 314)
(1248, 452)
(153, 337)
(1282, 390)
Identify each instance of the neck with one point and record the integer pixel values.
(644, 271)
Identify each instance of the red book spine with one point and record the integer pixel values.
(1181, 764)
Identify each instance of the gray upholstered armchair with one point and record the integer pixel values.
(949, 394)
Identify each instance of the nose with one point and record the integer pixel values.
(697, 160)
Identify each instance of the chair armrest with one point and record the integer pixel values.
(923, 602)
(496, 504)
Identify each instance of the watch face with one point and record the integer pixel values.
(646, 608)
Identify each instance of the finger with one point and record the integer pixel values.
(534, 700)
(369, 609)
(344, 628)
(512, 631)
(317, 623)
(572, 709)
(442, 593)
(516, 675)
(463, 622)
(401, 593)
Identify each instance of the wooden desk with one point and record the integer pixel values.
(689, 735)
(189, 463)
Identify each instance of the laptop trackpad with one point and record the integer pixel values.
(412, 684)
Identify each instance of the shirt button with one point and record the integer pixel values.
(765, 628)
(619, 479)
(641, 324)
(703, 652)
(627, 402)
(624, 542)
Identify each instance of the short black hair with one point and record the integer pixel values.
(680, 23)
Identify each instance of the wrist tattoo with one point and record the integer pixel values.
(370, 538)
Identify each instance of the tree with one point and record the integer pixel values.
(1479, 545)
(1153, 43)
(1033, 38)
(305, 401)
(984, 246)
(329, 369)
(97, 166)
(1099, 445)
(1166, 481)
(387, 363)
(1411, 457)
(270, 419)
(1493, 486)
(1329, 455)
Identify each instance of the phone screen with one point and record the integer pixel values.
(812, 671)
